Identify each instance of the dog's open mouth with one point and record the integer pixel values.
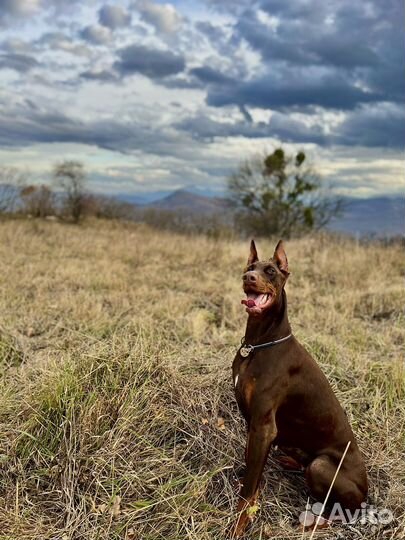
(256, 303)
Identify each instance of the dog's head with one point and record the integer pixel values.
(263, 281)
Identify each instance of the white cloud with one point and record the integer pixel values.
(113, 16)
(163, 17)
(60, 41)
(19, 7)
(97, 34)
(16, 45)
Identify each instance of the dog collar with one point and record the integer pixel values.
(245, 350)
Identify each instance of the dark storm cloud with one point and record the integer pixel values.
(49, 127)
(377, 126)
(28, 124)
(103, 75)
(271, 45)
(310, 56)
(354, 51)
(18, 62)
(349, 54)
(296, 45)
(209, 75)
(390, 81)
(278, 92)
(299, 8)
(152, 63)
(280, 126)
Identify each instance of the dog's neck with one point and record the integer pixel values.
(272, 325)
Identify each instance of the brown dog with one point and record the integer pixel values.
(286, 400)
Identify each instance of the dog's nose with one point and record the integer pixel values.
(249, 278)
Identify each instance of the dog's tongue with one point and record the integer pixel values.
(253, 300)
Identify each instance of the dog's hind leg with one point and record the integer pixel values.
(349, 489)
(288, 463)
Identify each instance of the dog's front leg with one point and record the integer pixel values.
(262, 432)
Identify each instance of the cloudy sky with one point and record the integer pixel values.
(155, 96)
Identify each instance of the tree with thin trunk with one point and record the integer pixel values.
(71, 178)
(280, 194)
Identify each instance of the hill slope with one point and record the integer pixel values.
(117, 413)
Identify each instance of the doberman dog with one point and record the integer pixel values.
(286, 400)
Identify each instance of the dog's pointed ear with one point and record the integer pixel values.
(280, 258)
(253, 257)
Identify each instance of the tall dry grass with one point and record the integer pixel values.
(117, 415)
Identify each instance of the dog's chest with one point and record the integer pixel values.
(238, 370)
(244, 380)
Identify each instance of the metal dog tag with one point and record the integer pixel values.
(245, 350)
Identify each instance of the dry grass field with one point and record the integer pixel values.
(117, 415)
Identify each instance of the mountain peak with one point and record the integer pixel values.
(183, 199)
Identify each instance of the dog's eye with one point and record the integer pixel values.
(270, 271)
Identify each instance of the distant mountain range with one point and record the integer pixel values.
(377, 216)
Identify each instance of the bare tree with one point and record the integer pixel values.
(102, 206)
(38, 201)
(11, 180)
(71, 178)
